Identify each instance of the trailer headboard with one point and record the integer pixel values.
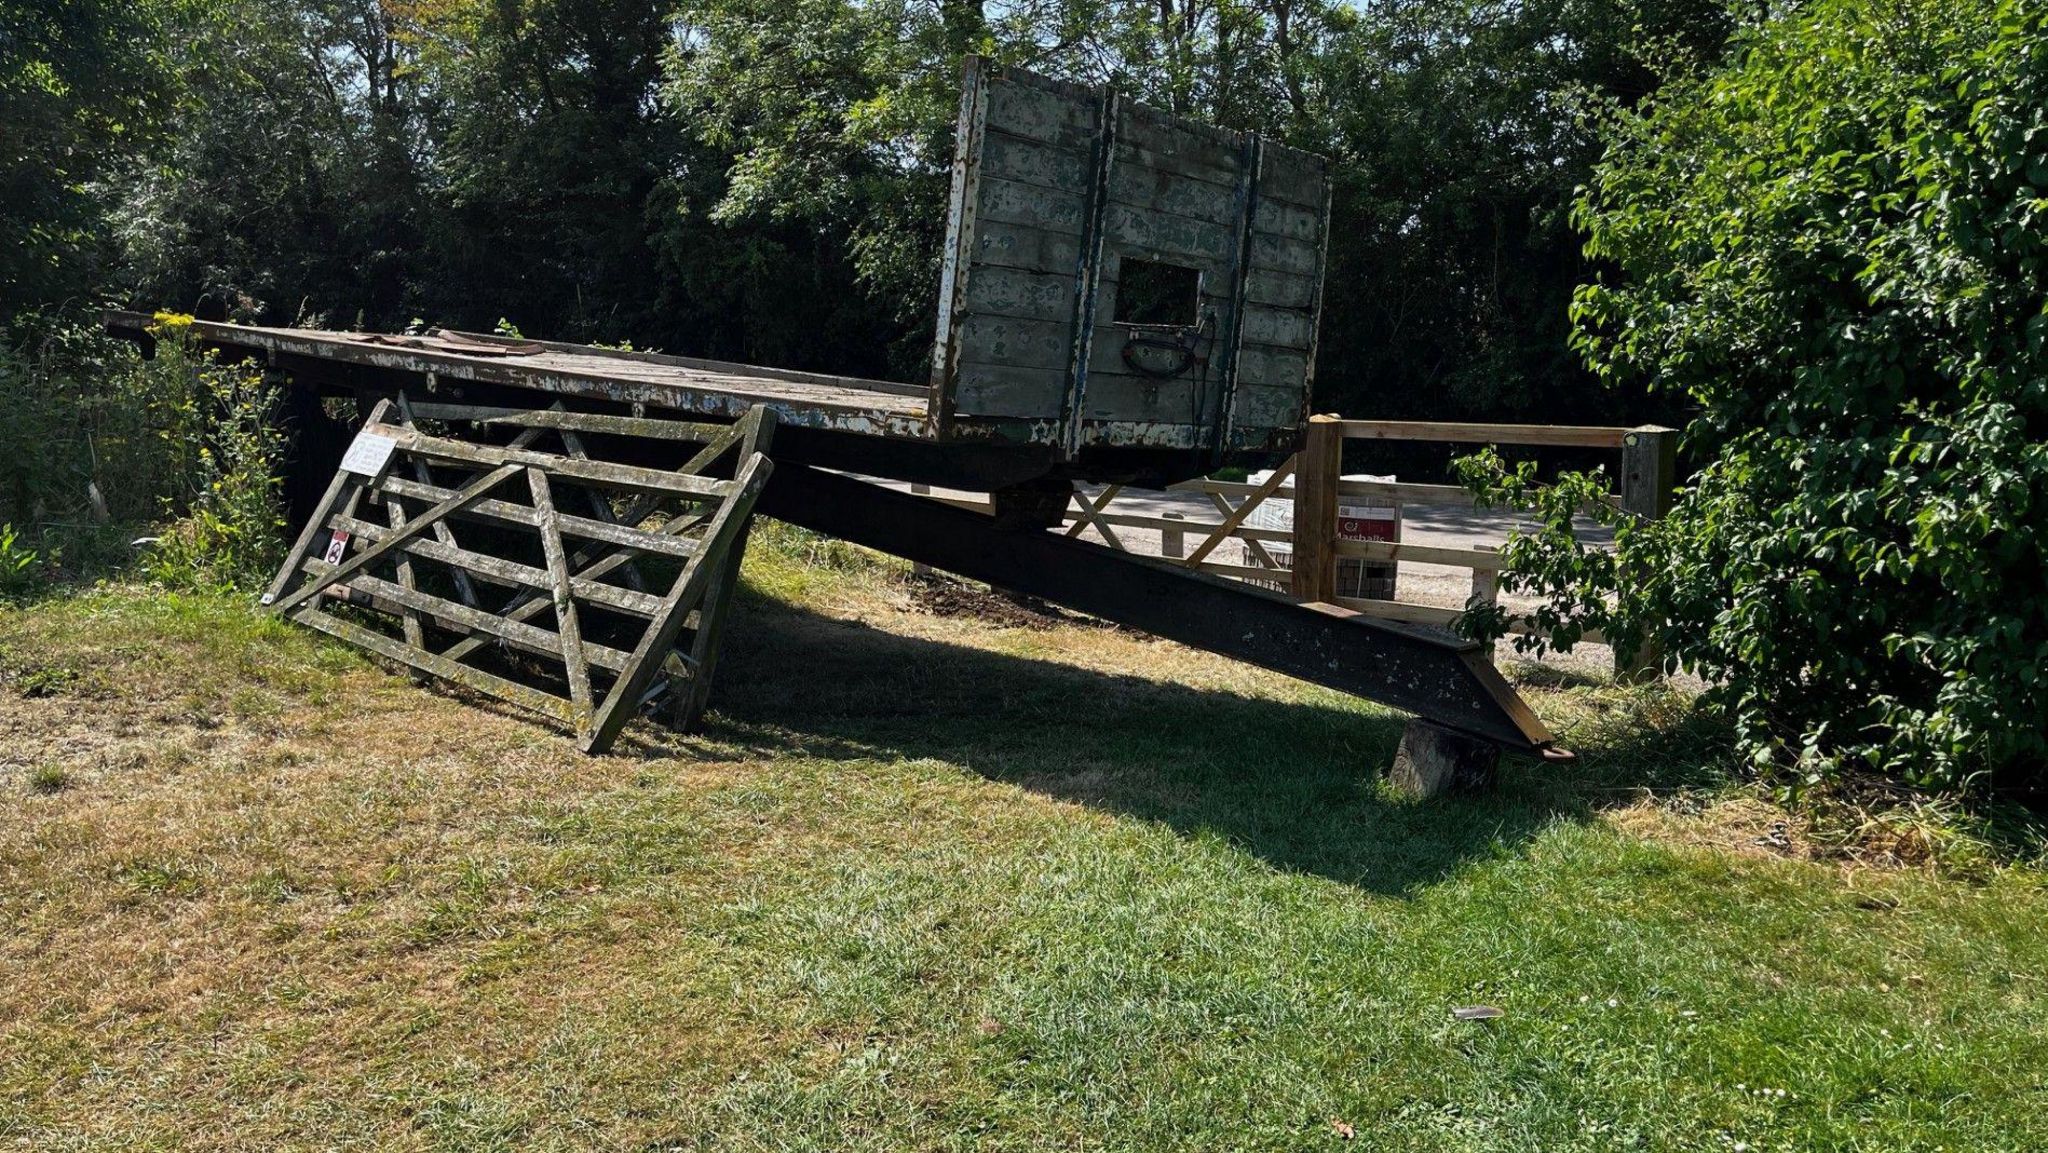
(1116, 276)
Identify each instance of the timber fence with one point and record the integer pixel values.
(1304, 560)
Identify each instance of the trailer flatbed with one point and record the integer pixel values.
(671, 385)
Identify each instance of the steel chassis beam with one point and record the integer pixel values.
(1448, 682)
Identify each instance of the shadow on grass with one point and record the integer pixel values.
(1294, 783)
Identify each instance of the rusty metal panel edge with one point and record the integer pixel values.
(1118, 434)
(1241, 266)
(1315, 316)
(970, 135)
(1088, 270)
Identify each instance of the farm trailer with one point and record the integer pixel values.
(1127, 296)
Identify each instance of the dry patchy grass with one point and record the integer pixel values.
(929, 882)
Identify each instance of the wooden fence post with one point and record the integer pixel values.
(1649, 470)
(1316, 473)
(1172, 541)
(917, 569)
(1649, 477)
(1486, 591)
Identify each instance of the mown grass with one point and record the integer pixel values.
(924, 882)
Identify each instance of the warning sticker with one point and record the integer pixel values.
(368, 454)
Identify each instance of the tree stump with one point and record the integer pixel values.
(1433, 761)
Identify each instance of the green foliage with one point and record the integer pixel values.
(19, 565)
(49, 777)
(1462, 129)
(1836, 250)
(228, 531)
(101, 445)
(834, 112)
(83, 83)
(290, 185)
(89, 447)
(1572, 580)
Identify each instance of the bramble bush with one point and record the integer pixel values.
(1837, 249)
(225, 504)
(101, 446)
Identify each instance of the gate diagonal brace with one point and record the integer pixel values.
(1448, 682)
(566, 641)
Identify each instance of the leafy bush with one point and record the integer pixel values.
(231, 531)
(19, 564)
(1574, 582)
(81, 440)
(1837, 248)
(100, 445)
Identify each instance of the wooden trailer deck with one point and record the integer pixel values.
(644, 380)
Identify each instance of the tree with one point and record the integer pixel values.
(82, 82)
(294, 180)
(555, 158)
(1462, 128)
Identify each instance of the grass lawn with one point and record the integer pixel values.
(937, 882)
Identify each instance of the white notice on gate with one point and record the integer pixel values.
(368, 454)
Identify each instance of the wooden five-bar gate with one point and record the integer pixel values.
(600, 599)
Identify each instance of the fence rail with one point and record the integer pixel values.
(1531, 435)
(1648, 474)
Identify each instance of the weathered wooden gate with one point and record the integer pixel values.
(618, 593)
